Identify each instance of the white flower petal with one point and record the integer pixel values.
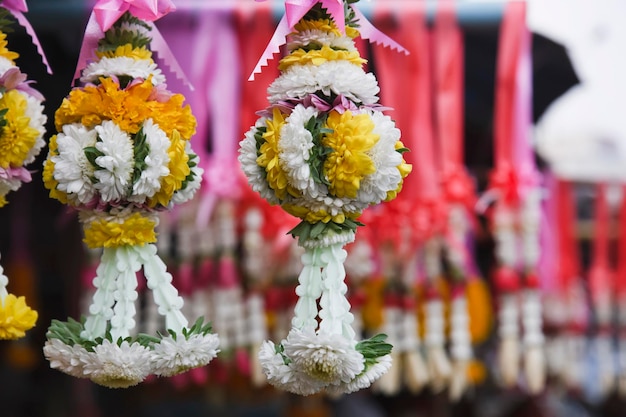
(171, 357)
(333, 77)
(116, 366)
(114, 180)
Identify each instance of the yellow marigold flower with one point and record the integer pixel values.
(48, 173)
(268, 158)
(127, 50)
(4, 51)
(135, 230)
(128, 108)
(179, 169)
(405, 169)
(17, 137)
(476, 372)
(15, 317)
(320, 56)
(325, 25)
(173, 115)
(479, 308)
(3, 201)
(352, 32)
(350, 141)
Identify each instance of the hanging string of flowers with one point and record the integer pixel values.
(22, 127)
(121, 156)
(324, 151)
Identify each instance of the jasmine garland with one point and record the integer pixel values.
(122, 154)
(324, 151)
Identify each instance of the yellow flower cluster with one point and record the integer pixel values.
(128, 108)
(319, 56)
(317, 216)
(179, 169)
(4, 51)
(135, 230)
(15, 317)
(268, 158)
(405, 169)
(127, 50)
(348, 163)
(48, 173)
(17, 137)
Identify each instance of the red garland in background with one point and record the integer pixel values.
(516, 215)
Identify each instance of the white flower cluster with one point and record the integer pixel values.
(123, 66)
(133, 67)
(295, 157)
(332, 77)
(127, 364)
(108, 176)
(319, 362)
(320, 37)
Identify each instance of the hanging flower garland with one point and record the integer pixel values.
(22, 127)
(324, 151)
(121, 156)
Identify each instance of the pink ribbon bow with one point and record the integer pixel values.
(17, 9)
(296, 9)
(106, 12)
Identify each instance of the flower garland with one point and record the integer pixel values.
(324, 152)
(22, 127)
(121, 156)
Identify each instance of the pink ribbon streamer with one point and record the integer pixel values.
(106, 12)
(296, 9)
(17, 9)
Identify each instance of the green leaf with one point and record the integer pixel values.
(374, 348)
(403, 150)
(141, 151)
(91, 153)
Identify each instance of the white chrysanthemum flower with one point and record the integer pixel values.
(72, 169)
(386, 159)
(283, 376)
(5, 65)
(38, 119)
(187, 193)
(65, 358)
(320, 37)
(116, 366)
(156, 161)
(171, 357)
(247, 158)
(329, 358)
(123, 65)
(332, 77)
(366, 378)
(114, 179)
(295, 146)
